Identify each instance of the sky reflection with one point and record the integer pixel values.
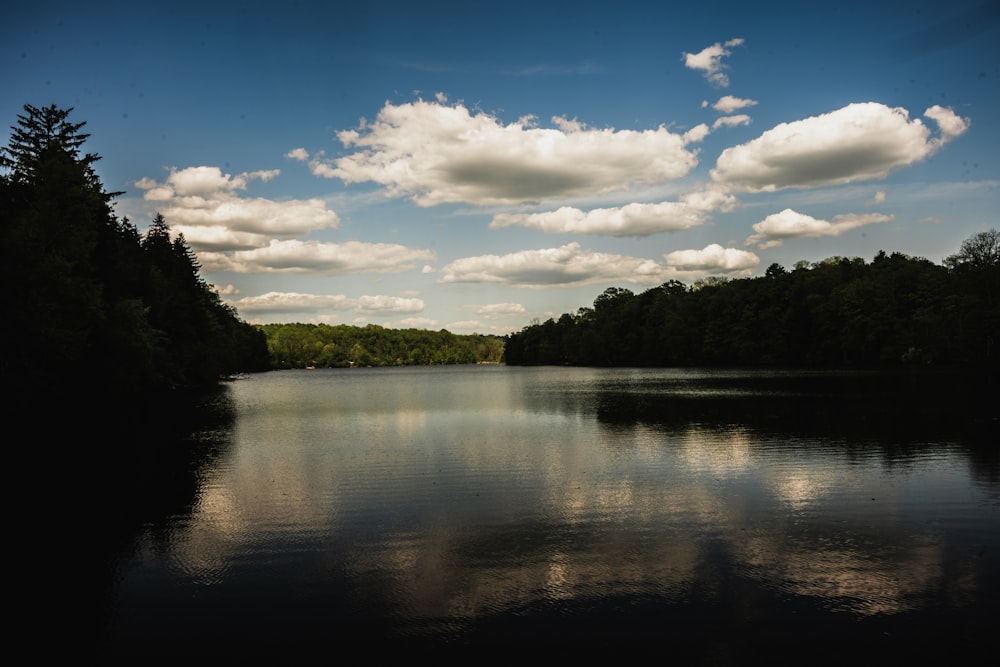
(445, 515)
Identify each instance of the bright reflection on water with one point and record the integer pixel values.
(712, 512)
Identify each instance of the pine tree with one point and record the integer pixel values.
(55, 216)
(96, 313)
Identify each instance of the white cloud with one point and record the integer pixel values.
(855, 143)
(499, 310)
(950, 124)
(728, 104)
(569, 265)
(299, 154)
(630, 220)
(204, 203)
(294, 256)
(713, 259)
(274, 303)
(291, 302)
(393, 304)
(879, 198)
(218, 238)
(437, 153)
(709, 61)
(483, 328)
(696, 134)
(210, 181)
(563, 266)
(710, 199)
(415, 323)
(774, 229)
(731, 121)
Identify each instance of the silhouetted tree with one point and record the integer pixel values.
(56, 217)
(96, 314)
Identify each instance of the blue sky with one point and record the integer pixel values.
(476, 166)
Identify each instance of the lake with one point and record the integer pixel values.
(707, 516)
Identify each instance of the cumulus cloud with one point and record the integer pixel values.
(204, 204)
(713, 259)
(630, 220)
(218, 238)
(773, 230)
(731, 121)
(709, 61)
(563, 266)
(728, 104)
(291, 302)
(416, 323)
(858, 142)
(696, 134)
(436, 153)
(295, 256)
(277, 303)
(499, 310)
(950, 124)
(570, 265)
(879, 198)
(391, 304)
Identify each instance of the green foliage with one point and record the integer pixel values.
(839, 312)
(299, 345)
(94, 310)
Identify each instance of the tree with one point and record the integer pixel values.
(56, 217)
(96, 315)
(978, 252)
(976, 267)
(775, 271)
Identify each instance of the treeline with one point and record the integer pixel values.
(839, 312)
(326, 346)
(96, 312)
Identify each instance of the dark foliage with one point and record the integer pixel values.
(96, 314)
(895, 310)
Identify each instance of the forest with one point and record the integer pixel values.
(325, 346)
(841, 312)
(98, 316)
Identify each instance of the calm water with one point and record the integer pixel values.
(711, 516)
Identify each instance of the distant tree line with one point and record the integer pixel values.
(94, 311)
(839, 312)
(300, 345)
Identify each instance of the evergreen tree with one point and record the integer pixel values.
(55, 216)
(96, 314)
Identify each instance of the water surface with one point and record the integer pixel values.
(712, 515)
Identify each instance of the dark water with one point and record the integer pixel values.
(706, 517)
